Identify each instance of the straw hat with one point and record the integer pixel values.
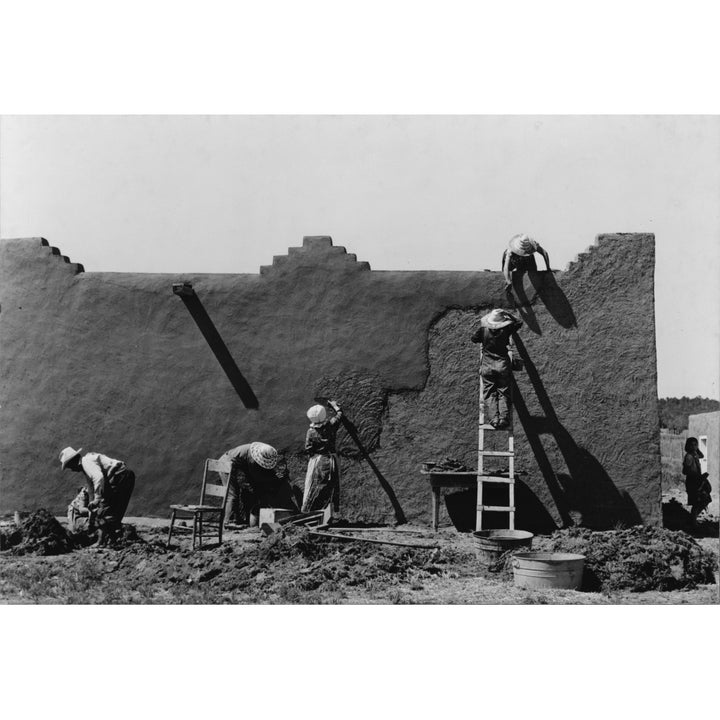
(67, 455)
(521, 245)
(497, 319)
(317, 414)
(264, 455)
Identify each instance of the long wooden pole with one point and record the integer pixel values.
(352, 432)
(337, 536)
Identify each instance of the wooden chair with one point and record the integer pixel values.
(214, 484)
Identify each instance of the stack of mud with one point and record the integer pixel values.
(40, 534)
(637, 559)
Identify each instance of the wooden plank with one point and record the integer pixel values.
(496, 508)
(300, 517)
(496, 453)
(448, 472)
(481, 431)
(478, 516)
(385, 528)
(435, 507)
(511, 461)
(337, 536)
(496, 479)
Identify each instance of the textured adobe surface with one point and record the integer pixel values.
(113, 362)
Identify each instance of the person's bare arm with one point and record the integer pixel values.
(546, 257)
(335, 405)
(506, 269)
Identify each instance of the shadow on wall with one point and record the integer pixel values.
(586, 494)
(206, 326)
(386, 486)
(530, 514)
(365, 400)
(546, 290)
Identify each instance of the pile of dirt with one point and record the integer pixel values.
(312, 564)
(295, 566)
(636, 559)
(10, 536)
(42, 534)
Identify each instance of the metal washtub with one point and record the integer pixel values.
(491, 544)
(539, 570)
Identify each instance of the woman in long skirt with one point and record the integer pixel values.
(697, 485)
(322, 480)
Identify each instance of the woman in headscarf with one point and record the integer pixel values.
(259, 479)
(322, 480)
(697, 485)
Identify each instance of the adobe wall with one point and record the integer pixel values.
(113, 362)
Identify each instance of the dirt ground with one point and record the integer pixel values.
(294, 568)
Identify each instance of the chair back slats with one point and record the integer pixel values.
(215, 490)
(224, 466)
(217, 485)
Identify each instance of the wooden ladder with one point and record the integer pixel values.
(494, 479)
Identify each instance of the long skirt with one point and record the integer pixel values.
(698, 492)
(322, 483)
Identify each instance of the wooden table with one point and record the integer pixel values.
(447, 479)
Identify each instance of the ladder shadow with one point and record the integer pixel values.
(585, 490)
(522, 304)
(530, 513)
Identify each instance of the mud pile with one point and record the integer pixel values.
(636, 559)
(287, 567)
(40, 533)
(297, 566)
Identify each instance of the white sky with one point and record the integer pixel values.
(225, 193)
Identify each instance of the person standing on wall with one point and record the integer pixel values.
(322, 480)
(519, 258)
(110, 484)
(496, 366)
(697, 484)
(264, 483)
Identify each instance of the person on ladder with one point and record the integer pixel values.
(495, 333)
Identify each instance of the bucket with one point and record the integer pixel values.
(491, 544)
(548, 570)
